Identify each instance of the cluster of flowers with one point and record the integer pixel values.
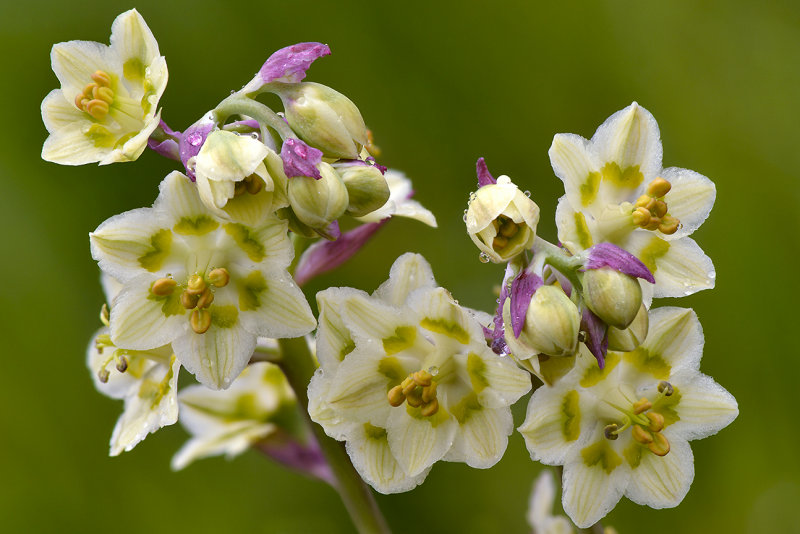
(207, 280)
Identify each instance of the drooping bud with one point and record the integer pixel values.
(552, 323)
(613, 296)
(317, 203)
(324, 118)
(366, 187)
(628, 339)
(501, 220)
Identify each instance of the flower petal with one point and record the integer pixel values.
(236, 439)
(482, 437)
(226, 156)
(299, 159)
(368, 447)
(484, 176)
(334, 339)
(675, 336)
(614, 257)
(441, 315)
(74, 62)
(370, 319)
(217, 357)
(704, 409)
(663, 481)
(320, 410)
(141, 321)
(291, 63)
(417, 443)
(496, 379)
(71, 146)
(134, 44)
(360, 385)
(274, 306)
(573, 162)
(178, 197)
(58, 112)
(409, 272)
(689, 200)
(575, 230)
(522, 289)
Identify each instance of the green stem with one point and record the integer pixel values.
(299, 365)
(241, 105)
(564, 263)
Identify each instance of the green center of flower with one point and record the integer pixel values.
(650, 210)
(253, 185)
(419, 391)
(196, 295)
(645, 425)
(97, 96)
(506, 229)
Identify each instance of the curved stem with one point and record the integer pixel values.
(241, 105)
(298, 364)
(565, 264)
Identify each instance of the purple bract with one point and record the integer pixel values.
(299, 159)
(291, 63)
(613, 257)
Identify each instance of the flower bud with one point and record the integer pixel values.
(552, 323)
(366, 188)
(317, 203)
(628, 339)
(501, 220)
(613, 296)
(324, 118)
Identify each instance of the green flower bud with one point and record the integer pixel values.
(628, 339)
(324, 118)
(552, 323)
(318, 203)
(366, 188)
(613, 296)
(501, 220)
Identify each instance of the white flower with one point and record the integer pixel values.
(207, 286)
(229, 422)
(406, 379)
(232, 177)
(400, 203)
(617, 192)
(540, 508)
(106, 108)
(146, 380)
(624, 430)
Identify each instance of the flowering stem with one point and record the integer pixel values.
(556, 257)
(241, 105)
(298, 364)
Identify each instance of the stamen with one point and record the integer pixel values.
(97, 108)
(659, 445)
(200, 321)
(499, 242)
(669, 225)
(122, 363)
(641, 217)
(104, 315)
(610, 431)
(219, 277)
(101, 78)
(206, 298)
(509, 229)
(163, 287)
(196, 285)
(418, 390)
(396, 396)
(429, 393)
(660, 208)
(665, 388)
(188, 300)
(431, 408)
(423, 378)
(642, 405)
(254, 184)
(650, 210)
(658, 187)
(641, 435)
(656, 421)
(103, 374)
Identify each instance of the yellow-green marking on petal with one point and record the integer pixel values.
(571, 411)
(666, 407)
(249, 290)
(589, 188)
(601, 453)
(200, 225)
(403, 338)
(390, 368)
(246, 241)
(447, 328)
(594, 374)
(633, 454)
(648, 362)
(224, 316)
(652, 252)
(374, 432)
(630, 178)
(160, 245)
(476, 368)
(582, 230)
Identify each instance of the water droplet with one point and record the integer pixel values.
(472, 196)
(254, 135)
(527, 194)
(195, 139)
(233, 92)
(433, 370)
(483, 257)
(712, 274)
(464, 218)
(687, 293)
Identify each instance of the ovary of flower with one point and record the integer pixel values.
(624, 430)
(105, 109)
(406, 380)
(229, 422)
(617, 192)
(207, 286)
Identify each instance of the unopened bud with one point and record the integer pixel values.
(219, 277)
(501, 220)
(551, 327)
(200, 321)
(324, 118)
(318, 203)
(163, 287)
(366, 188)
(196, 284)
(613, 296)
(658, 187)
(628, 339)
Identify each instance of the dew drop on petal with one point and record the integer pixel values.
(712, 275)
(483, 257)
(233, 92)
(254, 135)
(464, 218)
(527, 194)
(195, 139)
(433, 370)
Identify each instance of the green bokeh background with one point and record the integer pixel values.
(440, 84)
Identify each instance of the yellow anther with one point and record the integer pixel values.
(254, 184)
(206, 298)
(414, 398)
(430, 408)
(641, 217)
(122, 363)
(642, 201)
(659, 445)
(653, 224)
(656, 421)
(102, 375)
(396, 396)
(641, 435)
(660, 208)
(423, 378)
(81, 101)
(101, 78)
(642, 405)
(665, 388)
(105, 316)
(429, 393)
(196, 284)
(103, 93)
(658, 187)
(509, 229)
(499, 242)
(163, 287)
(408, 385)
(97, 108)
(669, 225)
(239, 189)
(610, 431)
(219, 277)
(88, 90)
(188, 300)
(200, 321)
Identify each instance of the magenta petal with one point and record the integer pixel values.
(497, 335)
(325, 256)
(299, 159)
(169, 148)
(596, 336)
(522, 289)
(305, 458)
(192, 141)
(291, 63)
(608, 255)
(484, 176)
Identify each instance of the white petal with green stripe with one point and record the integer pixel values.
(689, 200)
(272, 305)
(368, 446)
(418, 442)
(217, 357)
(573, 162)
(705, 407)
(482, 436)
(409, 273)
(663, 481)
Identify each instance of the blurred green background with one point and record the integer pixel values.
(440, 84)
